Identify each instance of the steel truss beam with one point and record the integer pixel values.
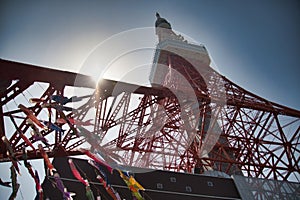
(150, 127)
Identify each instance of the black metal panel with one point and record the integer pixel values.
(158, 184)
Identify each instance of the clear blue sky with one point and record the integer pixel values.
(255, 44)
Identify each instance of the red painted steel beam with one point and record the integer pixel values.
(10, 70)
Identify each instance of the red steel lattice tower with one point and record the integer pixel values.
(195, 118)
(191, 119)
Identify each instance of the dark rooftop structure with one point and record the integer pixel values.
(158, 184)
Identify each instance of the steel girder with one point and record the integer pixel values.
(154, 127)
